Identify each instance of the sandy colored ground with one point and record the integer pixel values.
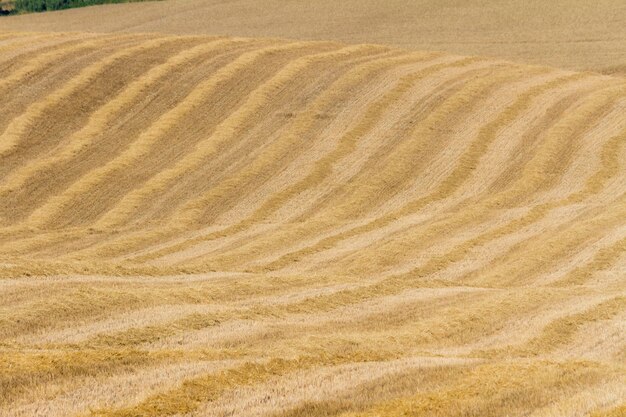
(196, 226)
(572, 34)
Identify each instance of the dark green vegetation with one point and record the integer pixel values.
(25, 6)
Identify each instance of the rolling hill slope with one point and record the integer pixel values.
(572, 34)
(196, 225)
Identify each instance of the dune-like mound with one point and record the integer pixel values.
(215, 226)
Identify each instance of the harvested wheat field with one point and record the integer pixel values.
(233, 226)
(572, 34)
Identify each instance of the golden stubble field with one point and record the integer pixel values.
(249, 226)
(571, 34)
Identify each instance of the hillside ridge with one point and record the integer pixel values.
(572, 34)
